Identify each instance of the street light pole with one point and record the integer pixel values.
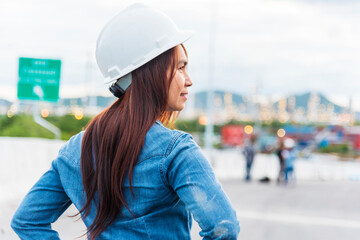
(209, 130)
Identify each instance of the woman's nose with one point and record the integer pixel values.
(188, 81)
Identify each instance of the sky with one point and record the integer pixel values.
(279, 47)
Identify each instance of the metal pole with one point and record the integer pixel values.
(209, 130)
(45, 123)
(39, 92)
(90, 81)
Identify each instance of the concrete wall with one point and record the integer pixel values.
(24, 160)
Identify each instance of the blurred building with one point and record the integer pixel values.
(304, 108)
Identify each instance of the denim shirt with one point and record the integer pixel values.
(172, 182)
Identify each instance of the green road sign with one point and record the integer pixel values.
(39, 79)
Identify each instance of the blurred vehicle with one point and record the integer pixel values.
(232, 136)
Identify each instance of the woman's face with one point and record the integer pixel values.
(178, 91)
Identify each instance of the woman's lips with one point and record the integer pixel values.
(184, 95)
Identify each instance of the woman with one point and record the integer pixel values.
(129, 176)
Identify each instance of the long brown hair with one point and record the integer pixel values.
(113, 139)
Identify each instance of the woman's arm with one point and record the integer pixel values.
(42, 206)
(191, 176)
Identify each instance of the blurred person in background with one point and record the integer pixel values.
(289, 155)
(279, 154)
(129, 176)
(249, 154)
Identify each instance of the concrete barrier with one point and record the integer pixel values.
(24, 160)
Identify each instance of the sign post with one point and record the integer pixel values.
(39, 80)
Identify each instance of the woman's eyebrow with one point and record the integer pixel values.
(183, 61)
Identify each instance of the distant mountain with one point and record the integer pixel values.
(302, 101)
(100, 101)
(4, 102)
(201, 99)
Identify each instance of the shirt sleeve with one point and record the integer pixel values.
(189, 173)
(43, 205)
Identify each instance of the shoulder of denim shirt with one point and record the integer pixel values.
(160, 141)
(71, 150)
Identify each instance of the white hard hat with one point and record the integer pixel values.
(133, 37)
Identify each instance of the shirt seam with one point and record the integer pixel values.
(168, 151)
(64, 155)
(173, 140)
(147, 229)
(152, 156)
(55, 167)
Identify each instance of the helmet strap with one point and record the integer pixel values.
(121, 85)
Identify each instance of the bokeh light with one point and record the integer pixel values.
(10, 114)
(44, 113)
(248, 129)
(281, 133)
(78, 115)
(202, 120)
